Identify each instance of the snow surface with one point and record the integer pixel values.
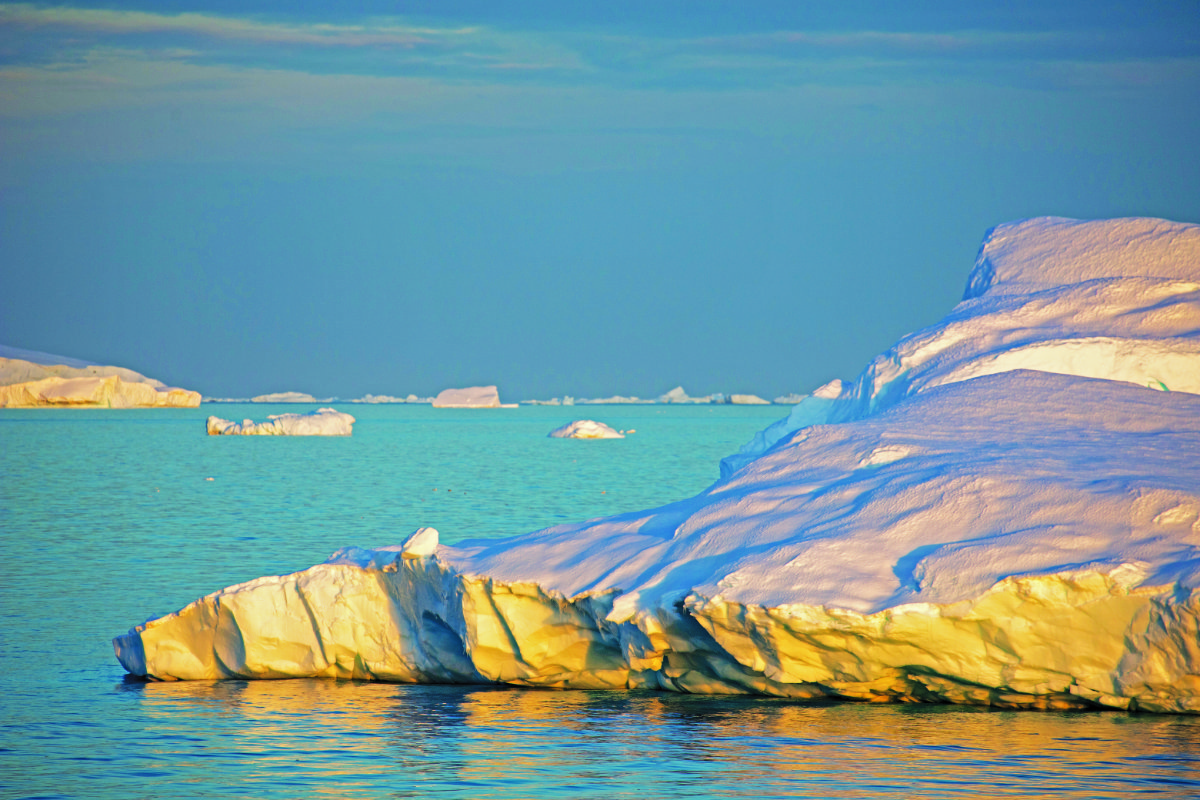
(322, 422)
(585, 429)
(1113, 299)
(952, 527)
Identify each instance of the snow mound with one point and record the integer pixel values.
(1020, 539)
(1114, 299)
(322, 422)
(585, 429)
(470, 397)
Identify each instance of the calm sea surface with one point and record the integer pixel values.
(108, 518)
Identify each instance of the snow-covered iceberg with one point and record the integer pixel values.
(30, 379)
(322, 422)
(1021, 538)
(585, 429)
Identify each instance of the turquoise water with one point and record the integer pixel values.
(108, 518)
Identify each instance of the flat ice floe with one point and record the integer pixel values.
(322, 422)
(942, 532)
(585, 429)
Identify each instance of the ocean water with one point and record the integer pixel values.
(108, 518)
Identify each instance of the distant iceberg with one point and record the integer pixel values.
(29, 379)
(383, 398)
(748, 400)
(290, 397)
(470, 397)
(678, 395)
(585, 429)
(959, 527)
(322, 422)
(614, 400)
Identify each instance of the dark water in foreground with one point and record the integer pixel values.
(107, 518)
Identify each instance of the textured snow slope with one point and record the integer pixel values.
(1020, 539)
(1114, 299)
(322, 422)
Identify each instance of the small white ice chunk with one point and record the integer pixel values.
(585, 429)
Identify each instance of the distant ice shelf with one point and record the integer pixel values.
(1000, 511)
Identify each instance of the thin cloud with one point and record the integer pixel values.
(106, 21)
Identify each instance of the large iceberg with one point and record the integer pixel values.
(984, 530)
(30, 379)
(322, 422)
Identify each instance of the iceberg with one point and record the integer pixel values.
(470, 397)
(1017, 537)
(322, 422)
(30, 379)
(384, 399)
(289, 397)
(615, 400)
(678, 395)
(585, 429)
(748, 400)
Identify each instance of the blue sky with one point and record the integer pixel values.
(584, 198)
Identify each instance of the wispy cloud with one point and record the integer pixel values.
(225, 73)
(106, 21)
(393, 46)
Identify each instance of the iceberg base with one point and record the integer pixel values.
(1067, 641)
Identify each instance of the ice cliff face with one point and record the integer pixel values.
(1014, 537)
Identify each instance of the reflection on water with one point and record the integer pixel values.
(348, 739)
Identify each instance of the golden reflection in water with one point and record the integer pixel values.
(347, 738)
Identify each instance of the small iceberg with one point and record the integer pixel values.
(470, 397)
(322, 422)
(748, 400)
(585, 429)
